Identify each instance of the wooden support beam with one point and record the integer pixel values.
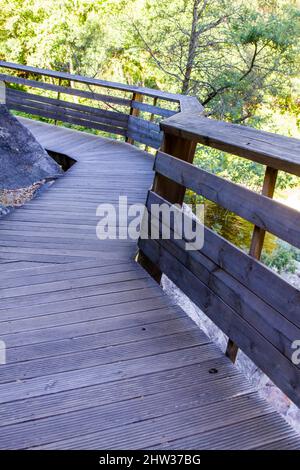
(58, 96)
(151, 119)
(134, 112)
(173, 192)
(257, 242)
(183, 149)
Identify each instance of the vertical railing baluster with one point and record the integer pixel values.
(134, 112)
(257, 242)
(151, 120)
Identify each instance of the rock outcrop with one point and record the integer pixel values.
(23, 161)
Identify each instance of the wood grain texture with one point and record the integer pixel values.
(261, 210)
(98, 355)
(248, 320)
(258, 278)
(63, 90)
(92, 81)
(273, 150)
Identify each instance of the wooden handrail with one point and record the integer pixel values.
(173, 97)
(259, 209)
(255, 307)
(275, 151)
(137, 128)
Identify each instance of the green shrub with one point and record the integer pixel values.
(283, 258)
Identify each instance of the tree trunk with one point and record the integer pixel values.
(192, 49)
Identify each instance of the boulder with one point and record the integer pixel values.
(23, 161)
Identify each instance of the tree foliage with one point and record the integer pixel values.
(233, 55)
(241, 59)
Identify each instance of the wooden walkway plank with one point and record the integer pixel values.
(105, 354)
(99, 374)
(95, 395)
(69, 339)
(138, 431)
(256, 433)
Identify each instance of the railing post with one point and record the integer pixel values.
(183, 149)
(151, 120)
(134, 112)
(58, 97)
(257, 242)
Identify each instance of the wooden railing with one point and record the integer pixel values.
(253, 306)
(256, 308)
(130, 111)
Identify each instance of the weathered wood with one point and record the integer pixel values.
(142, 131)
(258, 237)
(148, 265)
(258, 433)
(92, 81)
(182, 149)
(277, 366)
(152, 140)
(259, 231)
(162, 341)
(153, 109)
(258, 278)
(190, 105)
(262, 211)
(71, 334)
(151, 119)
(140, 125)
(276, 151)
(111, 117)
(137, 130)
(61, 115)
(24, 293)
(58, 94)
(90, 95)
(168, 189)
(113, 418)
(257, 240)
(260, 331)
(193, 376)
(139, 435)
(268, 321)
(134, 112)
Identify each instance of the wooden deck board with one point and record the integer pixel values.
(97, 355)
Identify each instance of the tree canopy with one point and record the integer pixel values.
(241, 59)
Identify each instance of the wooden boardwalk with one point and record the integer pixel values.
(98, 357)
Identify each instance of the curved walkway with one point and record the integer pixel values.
(98, 357)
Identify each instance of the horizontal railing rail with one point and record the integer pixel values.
(128, 115)
(266, 213)
(276, 151)
(255, 307)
